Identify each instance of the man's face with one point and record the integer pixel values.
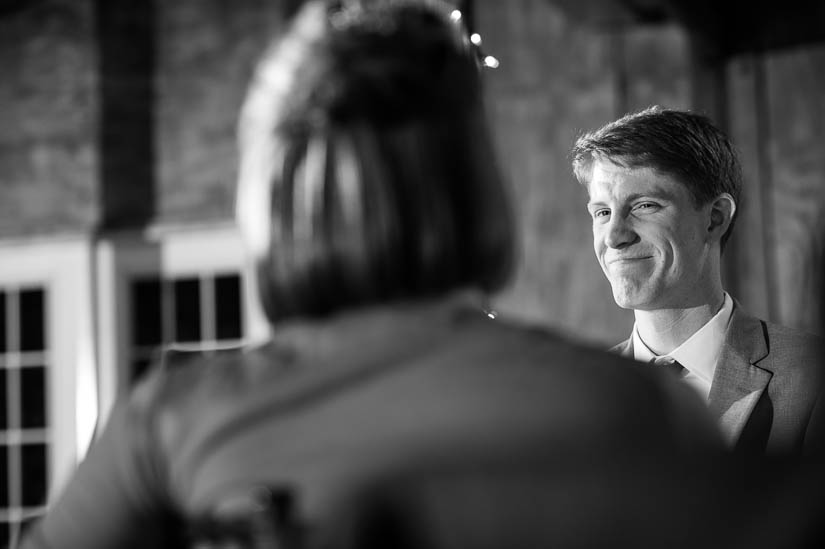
(652, 243)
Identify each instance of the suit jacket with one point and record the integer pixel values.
(766, 386)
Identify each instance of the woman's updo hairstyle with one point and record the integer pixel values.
(367, 172)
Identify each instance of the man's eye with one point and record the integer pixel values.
(600, 213)
(645, 207)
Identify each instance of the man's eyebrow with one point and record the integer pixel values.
(659, 194)
(655, 193)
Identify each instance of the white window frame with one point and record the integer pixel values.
(86, 282)
(168, 252)
(63, 268)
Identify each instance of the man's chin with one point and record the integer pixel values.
(631, 300)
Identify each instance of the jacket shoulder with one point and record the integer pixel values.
(794, 357)
(185, 383)
(791, 345)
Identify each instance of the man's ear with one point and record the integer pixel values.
(722, 210)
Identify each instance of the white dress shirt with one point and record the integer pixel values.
(699, 353)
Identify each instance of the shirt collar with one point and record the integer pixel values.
(700, 352)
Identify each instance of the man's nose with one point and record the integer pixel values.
(619, 233)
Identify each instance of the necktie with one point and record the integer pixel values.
(670, 364)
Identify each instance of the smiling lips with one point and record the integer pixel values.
(627, 260)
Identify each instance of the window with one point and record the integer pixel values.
(24, 423)
(201, 311)
(182, 286)
(48, 384)
(79, 318)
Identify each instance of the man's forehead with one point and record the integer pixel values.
(609, 170)
(611, 178)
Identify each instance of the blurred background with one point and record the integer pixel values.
(118, 162)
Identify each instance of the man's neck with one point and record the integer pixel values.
(664, 330)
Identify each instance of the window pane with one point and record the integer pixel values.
(3, 420)
(32, 325)
(228, 317)
(147, 316)
(4, 476)
(5, 528)
(33, 478)
(187, 310)
(3, 347)
(33, 397)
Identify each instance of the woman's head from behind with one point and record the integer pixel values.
(367, 174)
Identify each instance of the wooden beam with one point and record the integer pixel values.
(126, 57)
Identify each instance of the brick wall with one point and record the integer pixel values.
(48, 158)
(205, 55)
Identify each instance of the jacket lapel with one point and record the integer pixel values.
(737, 382)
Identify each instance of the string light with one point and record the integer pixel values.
(490, 62)
(486, 60)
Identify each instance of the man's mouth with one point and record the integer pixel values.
(628, 259)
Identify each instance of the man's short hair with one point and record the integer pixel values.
(682, 144)
(365, 132)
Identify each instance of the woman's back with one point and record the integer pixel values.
(330, 407)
